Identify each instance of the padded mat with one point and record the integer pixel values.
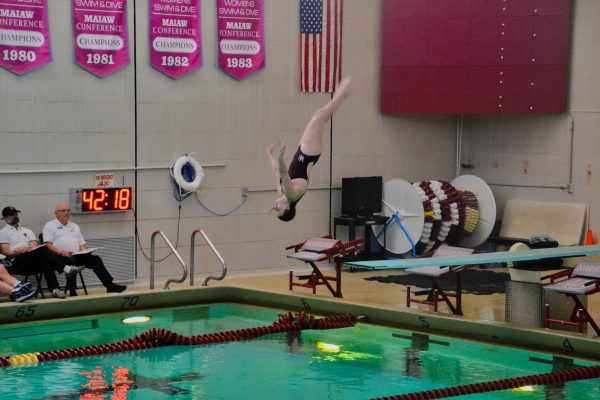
(474, 281)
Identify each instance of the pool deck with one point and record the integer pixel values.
(381, 303)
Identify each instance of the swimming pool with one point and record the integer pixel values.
(352, 363)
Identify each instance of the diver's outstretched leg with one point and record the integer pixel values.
(312, 138)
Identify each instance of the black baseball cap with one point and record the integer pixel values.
(8, 211)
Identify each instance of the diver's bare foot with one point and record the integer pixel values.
(344, 89)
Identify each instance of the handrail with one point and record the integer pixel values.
(169, 281)
(213, 248)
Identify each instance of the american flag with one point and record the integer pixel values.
(320, 44)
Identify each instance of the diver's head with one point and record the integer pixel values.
(285, 211)
(288, 214)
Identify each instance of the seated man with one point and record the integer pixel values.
(20, 246)
(64, 239)
(13, 288)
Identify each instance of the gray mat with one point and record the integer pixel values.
(474, 281)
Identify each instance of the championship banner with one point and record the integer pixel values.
(100, 29)
(175, 43)
(241, 36)
(24, 39)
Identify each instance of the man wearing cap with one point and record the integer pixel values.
(64, 239)
(20, 246)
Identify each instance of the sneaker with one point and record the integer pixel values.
(21, 285)
(58, 294)
(115, 288)
(22, 294)
(71, 270)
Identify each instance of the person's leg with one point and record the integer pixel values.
(36, 262)
(71, 285)
(5, 289)
(96, 264)
(6, 277)
(67, 265)
(51, 263)
(311, 142)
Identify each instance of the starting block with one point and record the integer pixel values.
(584, 280)
(318, 250)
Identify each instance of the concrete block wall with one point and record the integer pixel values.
(61, 117)
(529, 156)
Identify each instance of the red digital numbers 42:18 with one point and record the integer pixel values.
(105, 199)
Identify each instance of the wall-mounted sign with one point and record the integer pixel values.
(241, 36)
(24, 39)
(175, 43)
(106, 179)
(100, 29)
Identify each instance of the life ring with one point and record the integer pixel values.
(190, 186)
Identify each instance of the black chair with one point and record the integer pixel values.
(40, 275)
(39, 289)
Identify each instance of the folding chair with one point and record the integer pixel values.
(39, 289)
(41, 237)
(435, 293)
(38, 277)
(583, 280)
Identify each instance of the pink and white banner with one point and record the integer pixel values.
(100, 29)
(241, 36)
(24, 39)
(175, 44)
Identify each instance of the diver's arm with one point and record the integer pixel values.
(275, 168)
(286, 182)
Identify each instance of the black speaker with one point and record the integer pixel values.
(361, 195)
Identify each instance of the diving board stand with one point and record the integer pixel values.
(583, 280)
(317, 250)
(435, 293)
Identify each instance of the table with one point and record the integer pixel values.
(365, 221)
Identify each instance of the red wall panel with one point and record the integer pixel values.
(475, 56)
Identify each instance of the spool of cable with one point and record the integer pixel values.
(401, 201)
(485, 207)
(461, 212)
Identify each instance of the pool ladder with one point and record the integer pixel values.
(183, 264)
(215, 251)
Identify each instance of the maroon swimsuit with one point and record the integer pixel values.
(299, 165)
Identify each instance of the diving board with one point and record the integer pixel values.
(482, 258)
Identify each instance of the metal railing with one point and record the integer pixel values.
(152, 246)
(214, 249)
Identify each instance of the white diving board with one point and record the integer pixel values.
(481, 258)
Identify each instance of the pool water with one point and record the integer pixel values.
(352, 363)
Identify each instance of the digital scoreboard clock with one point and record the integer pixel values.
(98, 200)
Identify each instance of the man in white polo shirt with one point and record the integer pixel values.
(20, 246)
(64, 239)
